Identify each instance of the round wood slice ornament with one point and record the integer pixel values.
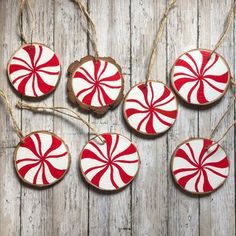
(95, 84)
(198, 168)
(200, 78)
(151, 108)
(34, 70)
(41, 159)
(112, 165)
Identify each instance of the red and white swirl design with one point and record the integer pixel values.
(198, 169)
(112, 165)
(97, 83)
(150, 109)
(42, 159)
(200, 79)
(34, 70)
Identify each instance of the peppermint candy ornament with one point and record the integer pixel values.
(198, 167)
(200, 77)
(34, 70)
(95, 84)
(112, 165)
(41, 159)
(150, 108)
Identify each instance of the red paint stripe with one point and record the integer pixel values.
(138, 102)
(98, 149)
(93, 168)
(129, 150)
(112, 178)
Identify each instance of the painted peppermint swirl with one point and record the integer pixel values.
(112, 165)
(34, 70)
(97, 83)
(150, 109)
(200, 79)
(42, 159)
(198, 169)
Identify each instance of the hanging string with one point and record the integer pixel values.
(62, 110)
(233, 82)
(228, 23)
(24, 5)
(219, 122)
(15, 125)
(223, 116)
(163, 21)
(91, 29)
(226, 132)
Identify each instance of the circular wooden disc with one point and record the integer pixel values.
(198, 168)
(34, 70)
(112, 165)
(42, 159)
(95, 84)
(150, 108)
(199, 78)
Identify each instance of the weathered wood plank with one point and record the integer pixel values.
(149, 203)
(217, 211)
(109, 214)
(183, 210)
(9, 184)
(36, 205)
(152, 204)
(70, 197)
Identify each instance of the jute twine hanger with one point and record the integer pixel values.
(218, 124)
(90, 26)
(10, 111)
(228, 24)
(61, 110)
(163, 21)
(25, 6)
(26, 157)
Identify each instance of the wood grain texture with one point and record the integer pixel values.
(218, 207)
(152, 205)
(183, 210)
(36, 217)
(70, 198)
(153, 151)
(111, 210)
(10, 188)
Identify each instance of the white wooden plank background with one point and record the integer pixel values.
(151, 205)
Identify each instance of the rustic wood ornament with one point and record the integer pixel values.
(34, 69)
(198, 169)
(200, 165)
(199, 77)
(150, 108)
(95, 83)
(112, 165)
(108, 161)
(41, 158)
(202, 76)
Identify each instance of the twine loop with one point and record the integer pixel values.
(10, 111)
(90, 28)
(163, 21)
(25, 5)
(219, 122)
(61, 110)
(228, 24)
